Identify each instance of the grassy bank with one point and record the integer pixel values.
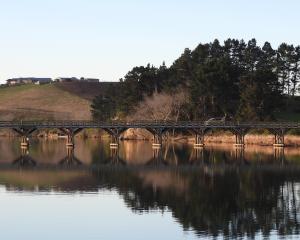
(59, 101)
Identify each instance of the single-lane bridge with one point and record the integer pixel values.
(157, 128)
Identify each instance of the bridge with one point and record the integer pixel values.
(156, 128)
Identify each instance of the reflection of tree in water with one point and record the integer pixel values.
(232, 202)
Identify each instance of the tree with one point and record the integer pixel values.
(235, 78)
(259, 96)
(103, 108)
(161, 106)
(208, 92)
(285, 62)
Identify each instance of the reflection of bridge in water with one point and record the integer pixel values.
(171, 154)
(256, 200)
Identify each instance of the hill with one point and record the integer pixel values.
(58, 101)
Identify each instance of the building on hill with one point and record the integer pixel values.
(74, 79)
(66, 79)
(29, 80)
(92, 80)
(40, 81)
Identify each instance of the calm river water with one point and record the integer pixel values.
(178, 193)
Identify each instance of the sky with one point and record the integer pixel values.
(106, 39)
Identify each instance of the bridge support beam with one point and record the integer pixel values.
(24, 133)
(239, 136)
(70, 132)
(278, 137)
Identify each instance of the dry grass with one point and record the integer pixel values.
(251, 139)
(33, 102)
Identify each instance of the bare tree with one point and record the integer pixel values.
(161, 107)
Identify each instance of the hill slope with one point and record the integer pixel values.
(52, 101)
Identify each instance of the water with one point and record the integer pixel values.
(178, 193)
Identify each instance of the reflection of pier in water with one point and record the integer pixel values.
(172, 154)
(25, 159)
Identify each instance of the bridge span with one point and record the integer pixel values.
(157, 128)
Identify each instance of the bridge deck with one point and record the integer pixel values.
(147, 124)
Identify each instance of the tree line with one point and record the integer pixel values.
(243, 81)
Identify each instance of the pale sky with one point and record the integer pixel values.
(105, 39)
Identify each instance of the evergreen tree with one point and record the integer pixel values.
(103, 108)
(238, 79)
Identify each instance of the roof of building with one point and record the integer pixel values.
(29, 79)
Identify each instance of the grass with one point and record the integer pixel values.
(38, 102)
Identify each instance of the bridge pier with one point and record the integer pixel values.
(24, 142)
(157, 137)
(199, 134)
(115, 134)
(199, 137)
(24, 133)
(239, 137)
(114, 141)
(70, 132)
(70, 141)
(199, 141)
(157, 141)
(278, 137)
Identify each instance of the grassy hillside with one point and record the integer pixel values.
(52, 101)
